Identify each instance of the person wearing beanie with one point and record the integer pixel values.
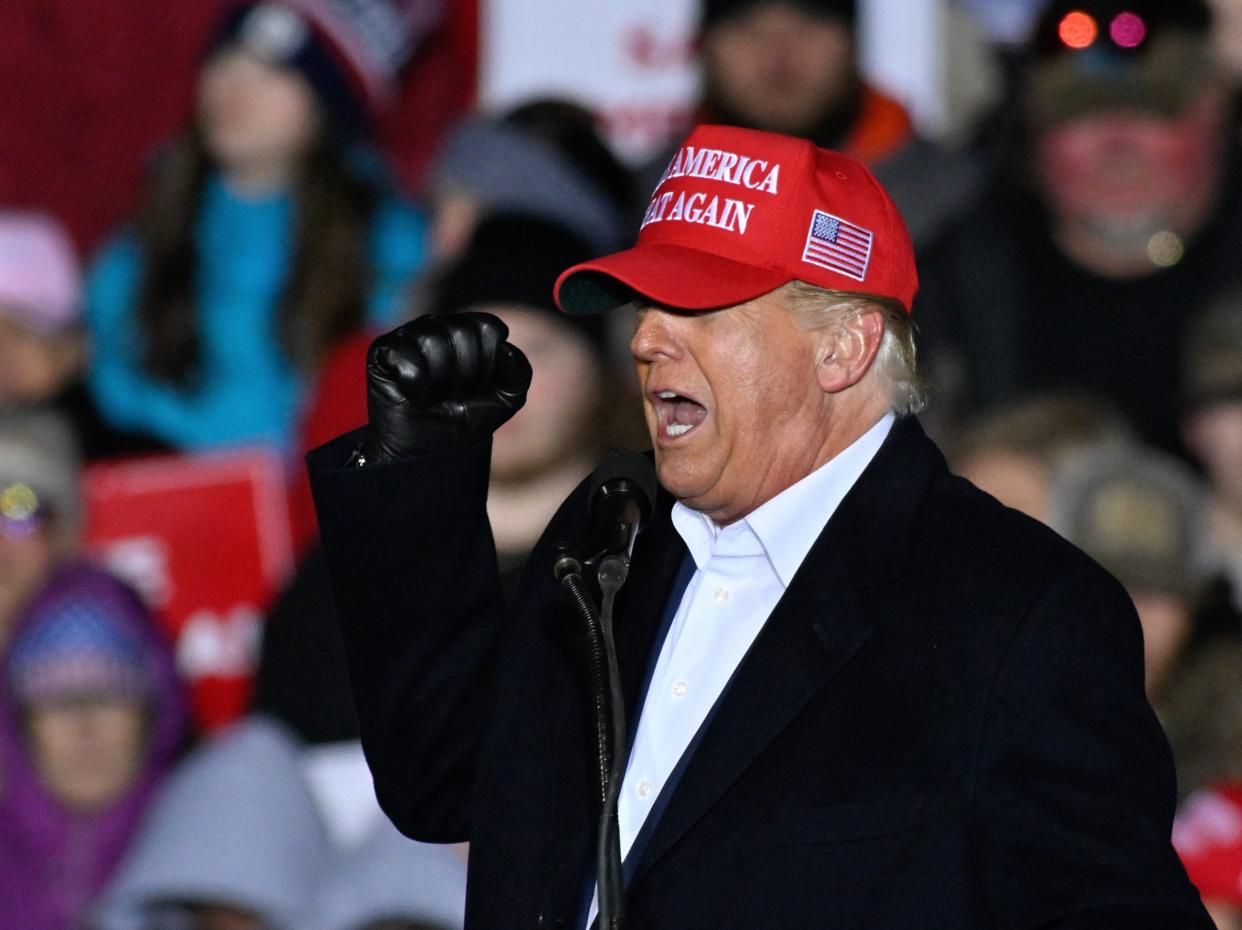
(852, 690)
(92, 714)
(265, 234)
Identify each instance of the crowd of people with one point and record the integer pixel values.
(1079, 324)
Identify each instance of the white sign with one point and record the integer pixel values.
(631, 62)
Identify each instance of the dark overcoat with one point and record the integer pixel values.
(941, 725)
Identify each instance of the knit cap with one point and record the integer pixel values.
(350, 51)
(79, 642)
(40, 281)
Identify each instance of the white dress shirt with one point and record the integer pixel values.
(741, 572)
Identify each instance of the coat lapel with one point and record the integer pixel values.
(658, 554)
(816, 628)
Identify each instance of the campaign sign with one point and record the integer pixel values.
(205, 540)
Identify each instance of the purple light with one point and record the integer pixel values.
(1128, 30)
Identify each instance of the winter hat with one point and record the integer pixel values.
(80, 641)
(40, 281)
(511, 169)
(1089, 55)
(39, 465)
(350, 51)
(1212, 369)
(1137, 512)
(1207, 835)
(514, 258)
(714, 11)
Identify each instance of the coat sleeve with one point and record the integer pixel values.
(1075, 790)
(417, 591)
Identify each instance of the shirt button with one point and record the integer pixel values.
(679, 689)
(721, 595)
(644, 788)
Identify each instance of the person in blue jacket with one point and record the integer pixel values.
(266, 233)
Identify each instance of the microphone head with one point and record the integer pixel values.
(627, 472)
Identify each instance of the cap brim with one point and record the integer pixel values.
(664, 274)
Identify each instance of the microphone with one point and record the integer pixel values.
(622, 489)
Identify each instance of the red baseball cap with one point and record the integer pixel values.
(738, 213)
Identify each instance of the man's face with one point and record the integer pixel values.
(1128, 175)
(732, 403)
(777, 67)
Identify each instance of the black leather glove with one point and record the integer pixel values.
(439, 382)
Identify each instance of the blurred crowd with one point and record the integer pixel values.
(1079, 326)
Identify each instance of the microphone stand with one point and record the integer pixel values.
(608, 706)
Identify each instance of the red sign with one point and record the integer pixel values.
(205, 539)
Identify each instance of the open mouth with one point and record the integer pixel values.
(676, 413)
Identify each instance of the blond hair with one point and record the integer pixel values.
(895, 364)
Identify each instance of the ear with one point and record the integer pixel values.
(848, 351)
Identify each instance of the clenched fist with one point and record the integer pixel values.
(441, 381)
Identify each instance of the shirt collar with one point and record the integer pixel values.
(788, 525)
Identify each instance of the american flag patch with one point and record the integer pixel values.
(839, 246)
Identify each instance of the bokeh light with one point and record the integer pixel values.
(1165, 249)
(1078, 29)
(1128, 30)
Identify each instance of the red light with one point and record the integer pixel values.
(1078, 29)
(1128, 30)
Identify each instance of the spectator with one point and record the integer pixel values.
(791, 66)
(544, 158)
(90, 719)
(1119, 213)
(390, 882)
(266, 234)
(551, 444)
(43, 351)
(1208, 836)
(571, 414)
(1140, 514)
(39, 506)
(1212, 427)
(233, 840)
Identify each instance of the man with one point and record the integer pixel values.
(864, 694)
(1118, 214)
(791, 66)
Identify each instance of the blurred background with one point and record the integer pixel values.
(208, 208)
